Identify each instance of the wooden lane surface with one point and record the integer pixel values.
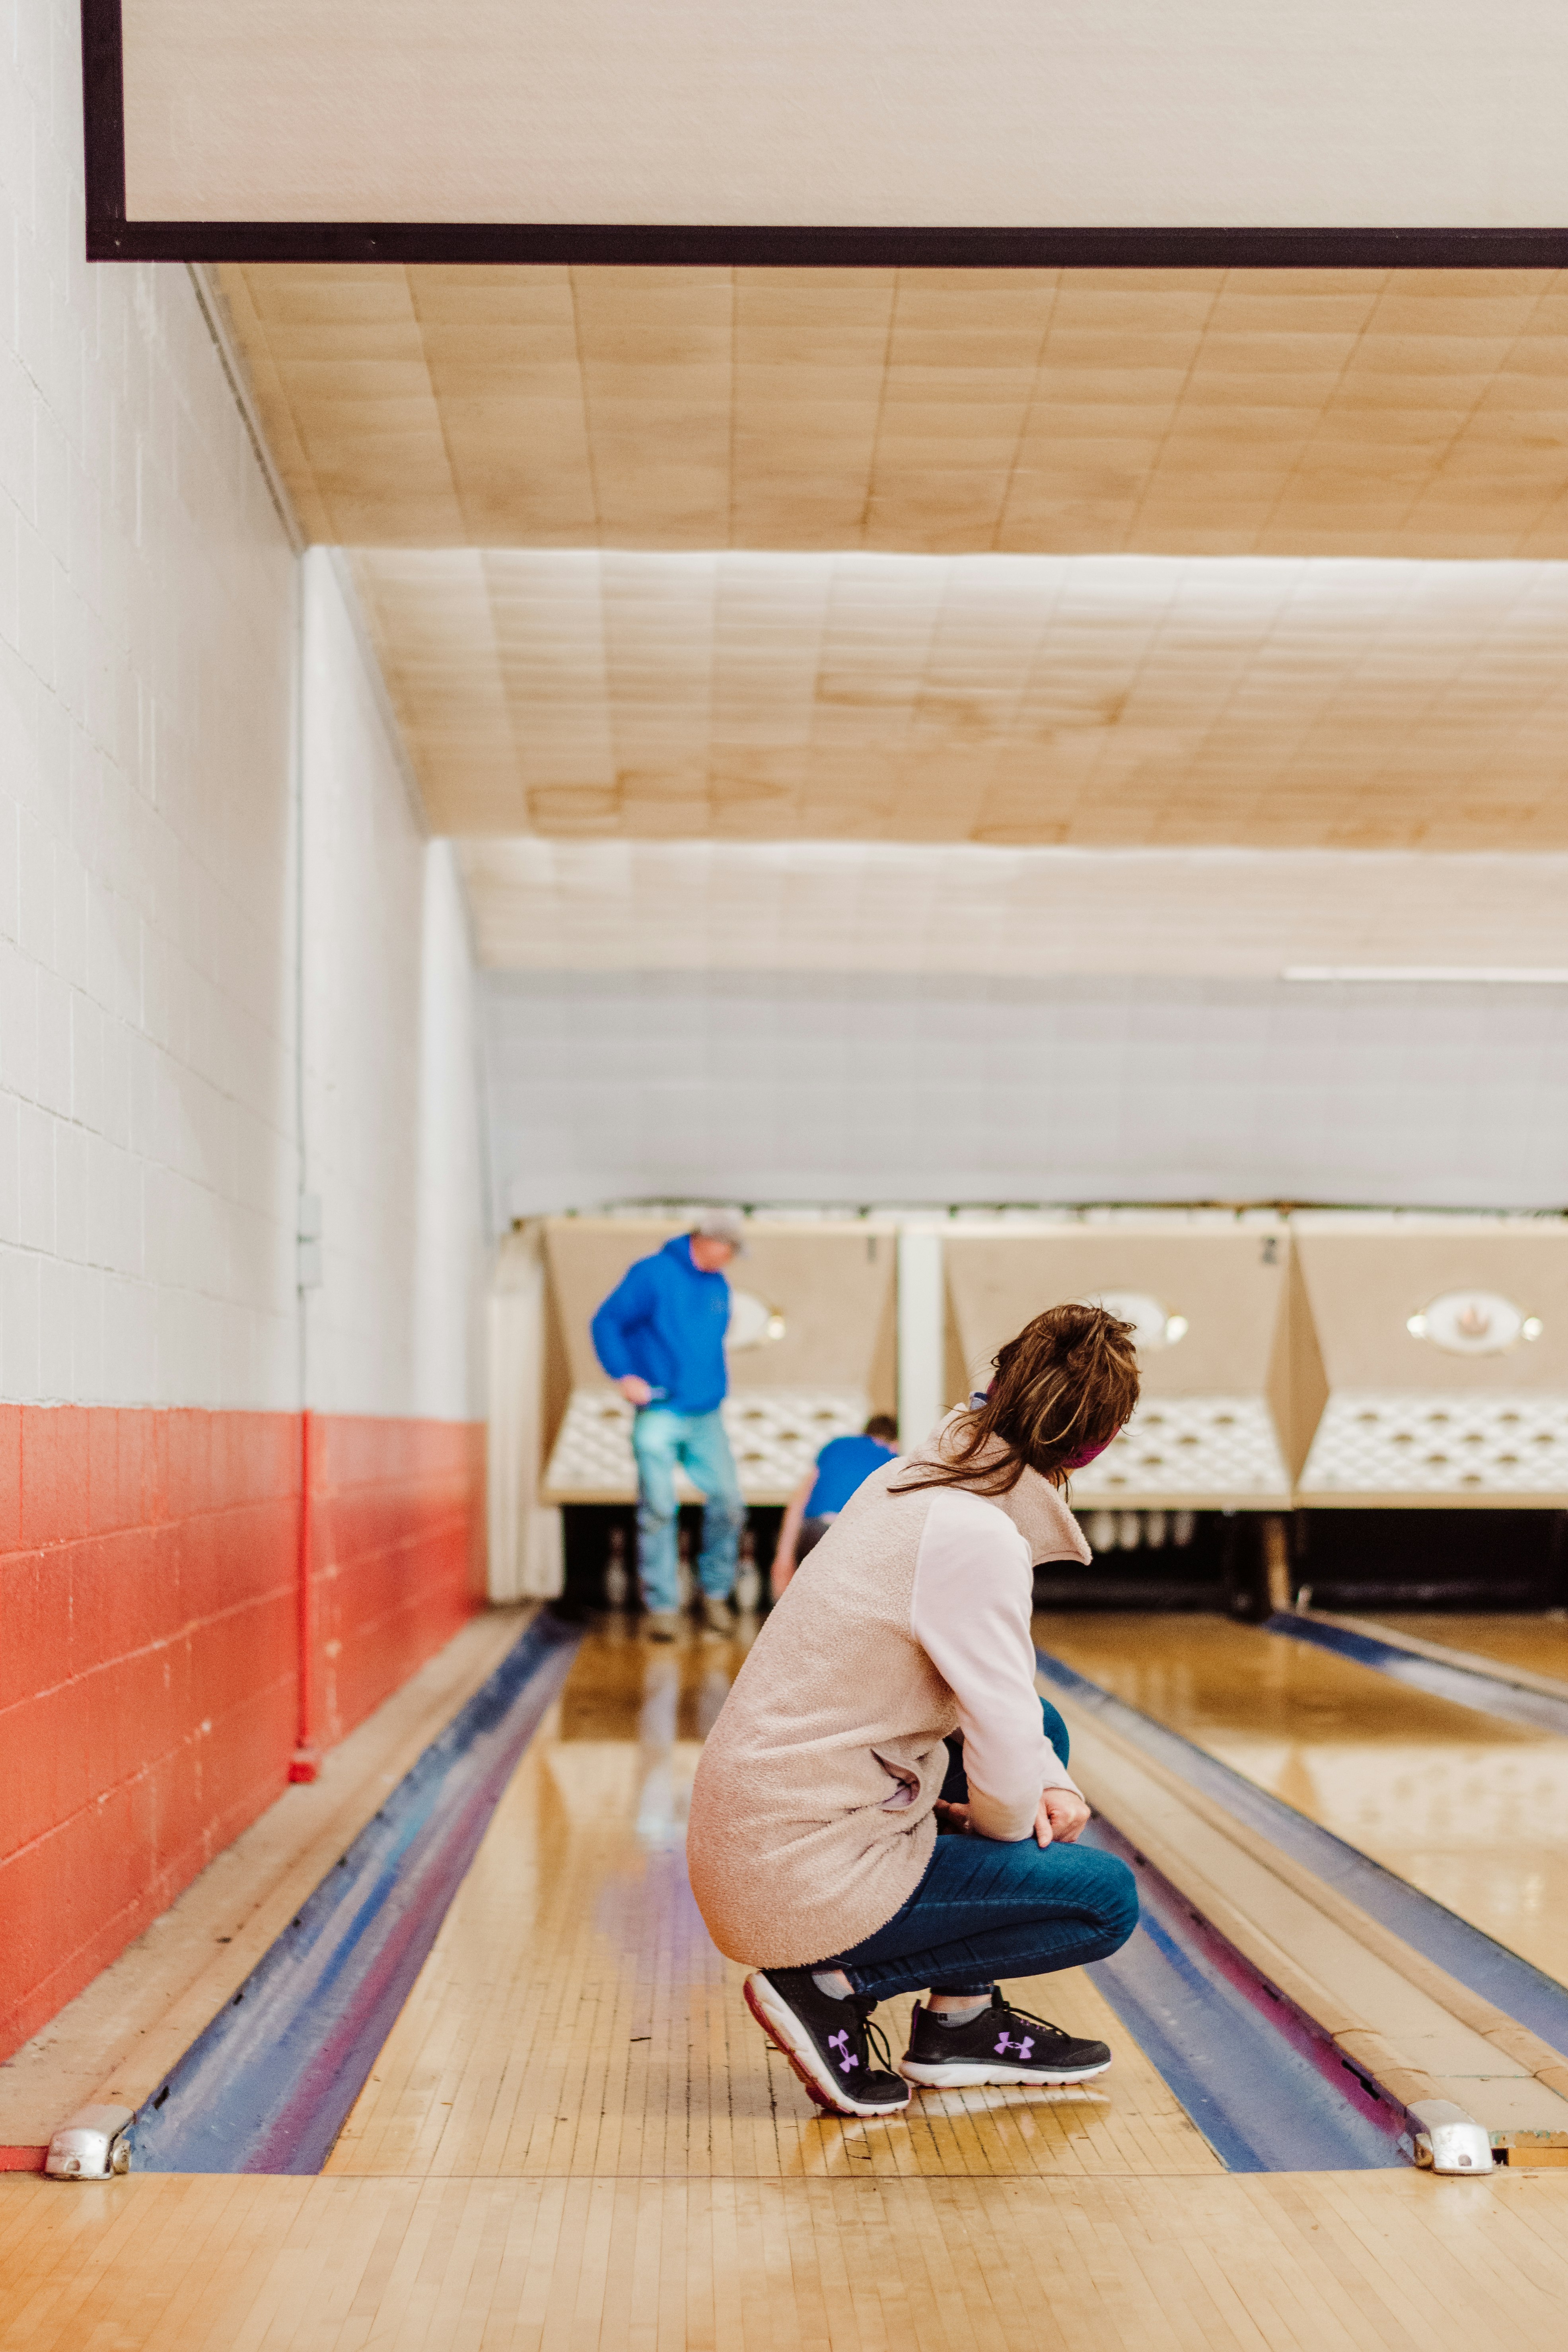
(574, 2019)
(527, 2173)
(1471, 1809)
(1324, 2263)
(1539, 1644)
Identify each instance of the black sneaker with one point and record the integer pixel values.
(830, 2043)
(1003, 2045)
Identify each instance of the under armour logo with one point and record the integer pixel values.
(1021, 2049)
(846, 2058)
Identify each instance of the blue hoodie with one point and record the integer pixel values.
(665, 1319)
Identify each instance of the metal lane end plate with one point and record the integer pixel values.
(91, 2145)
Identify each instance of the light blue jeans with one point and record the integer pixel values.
(661, 1438)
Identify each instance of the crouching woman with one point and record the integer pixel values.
(892, 1695)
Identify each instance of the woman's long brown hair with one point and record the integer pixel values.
(1067, 1382)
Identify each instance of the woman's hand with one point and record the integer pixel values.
(1061, 1817)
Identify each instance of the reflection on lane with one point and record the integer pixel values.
(1538, 1643)
(1471, 1810)
(645, 1709)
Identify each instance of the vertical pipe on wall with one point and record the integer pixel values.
(923, 1333)
(306, 1761)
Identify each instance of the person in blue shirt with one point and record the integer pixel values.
(660, 1337)
(842, 1464)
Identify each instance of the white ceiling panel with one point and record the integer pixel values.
(696, 905)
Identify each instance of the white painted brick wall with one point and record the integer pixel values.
(392, 1121)
(149, 620)
(146, 637)
(817, 1086)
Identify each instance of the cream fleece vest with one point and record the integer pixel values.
(811, 1816)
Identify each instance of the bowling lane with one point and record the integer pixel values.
(1537, 1643)
(573, 2020)
(1471, 1810)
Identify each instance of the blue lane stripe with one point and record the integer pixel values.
(1466, 1686)
(269, 2084)
(1487, 1968)
(1259, 2099)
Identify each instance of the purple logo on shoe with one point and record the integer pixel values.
(846, 2058)
(1020, 2049)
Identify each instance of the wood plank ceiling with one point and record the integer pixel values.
(1009, 699)
(924, 556)
(1241, 412)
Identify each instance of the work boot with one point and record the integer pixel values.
(830, 2043)
(717, 1616)
(661, 1624)
(1002, 2045)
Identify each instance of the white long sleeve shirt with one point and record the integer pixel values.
(969, 1611)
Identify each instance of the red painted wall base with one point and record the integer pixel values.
(397, 1556)
(153, 1669)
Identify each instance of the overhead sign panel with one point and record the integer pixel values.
(733, 130)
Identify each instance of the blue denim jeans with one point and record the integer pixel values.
(661, 1438)
(986, 1909)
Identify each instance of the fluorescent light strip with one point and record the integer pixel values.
(1491, 975)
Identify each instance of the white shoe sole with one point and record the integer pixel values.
(786, 2033)
(962, 2074)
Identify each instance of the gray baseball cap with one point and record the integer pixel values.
(722, 1225)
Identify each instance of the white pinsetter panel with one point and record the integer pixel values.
(1457, 1447)
(1444, 1343)
(1207, 1296)
(854, 113)
(1221, 1448)
(775, 1435)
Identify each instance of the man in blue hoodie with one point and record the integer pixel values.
(660, 1337)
